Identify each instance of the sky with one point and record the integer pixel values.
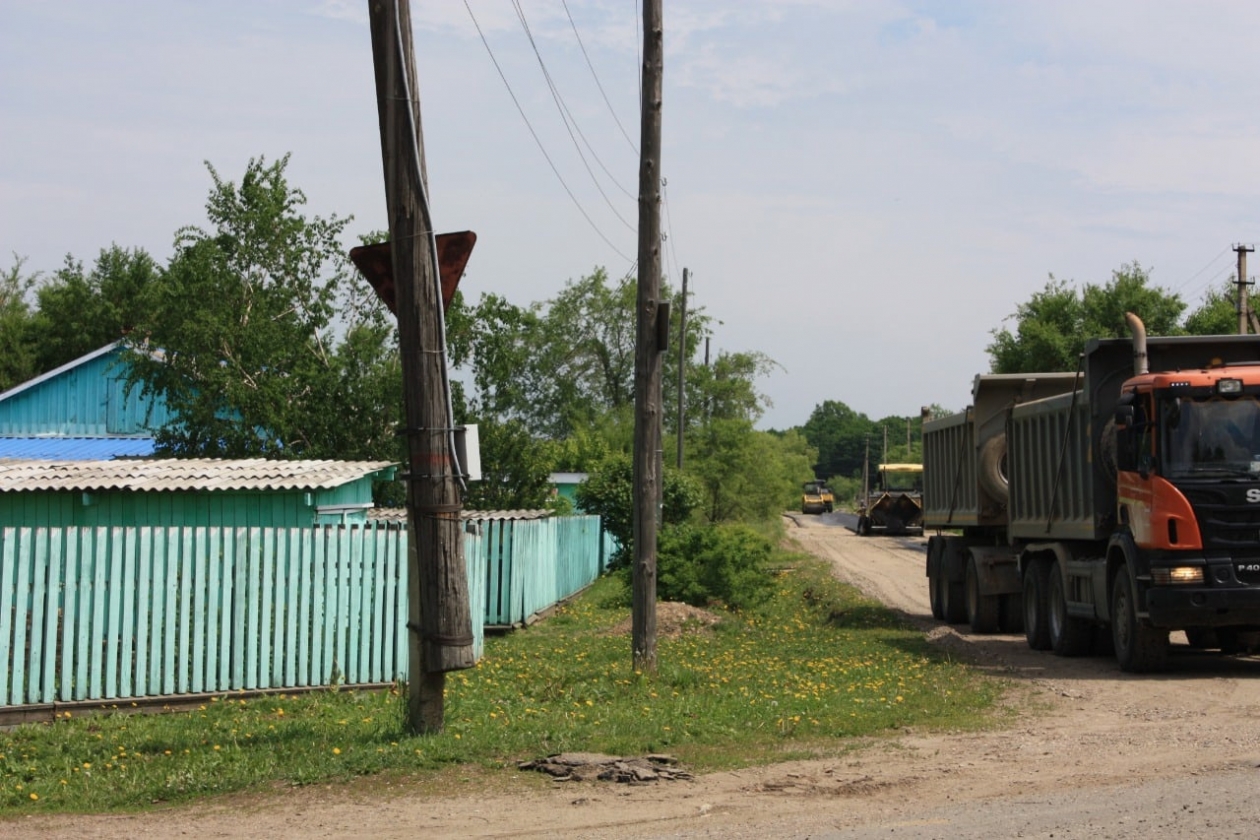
(862, 191)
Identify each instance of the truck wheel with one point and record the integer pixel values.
(1036, 582)
(1069, 636)
(982, 610)
(1138, 648)
(953, 603)
(935, 548)
(1227, 638)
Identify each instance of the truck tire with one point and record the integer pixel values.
(1139, 648)
(936, 547)
(1069, 635)
(982, 610)
(953, 602)
(1036, 586)
(991, 469)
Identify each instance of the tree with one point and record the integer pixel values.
(1052, 327)
(1218, 313)
(237, 336)
(840, 435)
(17, 337)
(79, 311)
(515, 468)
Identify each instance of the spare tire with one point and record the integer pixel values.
(991, 471)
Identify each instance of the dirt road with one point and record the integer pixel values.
(1091, 752)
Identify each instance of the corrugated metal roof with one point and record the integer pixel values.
(58, 448)
(18, 474)
(400, 514)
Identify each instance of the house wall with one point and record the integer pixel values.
(87, 399)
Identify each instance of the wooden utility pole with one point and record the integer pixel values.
(647, 363)
(682, 367)
(1243, 306)
(439, 615)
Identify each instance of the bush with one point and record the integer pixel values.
(609, 492)
(713, 563)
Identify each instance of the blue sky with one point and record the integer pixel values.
(861, 190)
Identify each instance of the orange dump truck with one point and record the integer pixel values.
(1108, 507)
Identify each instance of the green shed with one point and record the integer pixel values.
(188, 492)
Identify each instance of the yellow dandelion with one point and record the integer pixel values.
(34, 796)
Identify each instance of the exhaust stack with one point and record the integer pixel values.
(1139, 343)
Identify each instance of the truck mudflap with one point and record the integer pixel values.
(1179, 607)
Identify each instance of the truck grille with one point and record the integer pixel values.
(1227, 521)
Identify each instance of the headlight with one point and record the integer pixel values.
(1229, 386)
(1177, 574)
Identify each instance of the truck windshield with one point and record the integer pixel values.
(1212, 435)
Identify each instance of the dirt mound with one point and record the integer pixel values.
(673, 619)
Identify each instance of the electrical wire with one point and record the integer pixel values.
(570, 123)
(539, 142)
(669, 223)
(595, 76)
(1192, 277)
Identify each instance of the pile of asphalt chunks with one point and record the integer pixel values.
(585, 767)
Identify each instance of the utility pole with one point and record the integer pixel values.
(439, 616)
(1243, 306)
(682, 366)
(647, 366)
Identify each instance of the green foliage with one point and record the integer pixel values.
(82, 311)
(746, 474)
(1052, 327)
(238, 338)
(1218, 313)
(609, 493)
(515, 468)
(18, 345)
(702, 565)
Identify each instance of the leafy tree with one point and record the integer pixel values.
(515, 469)
(1218, 313)
(1052, 327)
(748, 475)
(81, 311)
(840, 435)
(237, 336)
(609, 493)
(17, 336)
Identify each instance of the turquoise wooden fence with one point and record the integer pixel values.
(122, 613)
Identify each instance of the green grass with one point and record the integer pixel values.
(816, 668)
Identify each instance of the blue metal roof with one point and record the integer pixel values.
(75, 448)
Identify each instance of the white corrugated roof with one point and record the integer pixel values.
(18, 474)
(400, 514)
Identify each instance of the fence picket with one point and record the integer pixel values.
(120, 612)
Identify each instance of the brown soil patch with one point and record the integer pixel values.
(674, 619)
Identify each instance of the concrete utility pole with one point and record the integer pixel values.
(1243, 306)
(652, 340)
(682, 366)
(439, 614)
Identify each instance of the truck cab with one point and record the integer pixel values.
(1188, 492)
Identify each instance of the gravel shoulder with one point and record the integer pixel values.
(1090, 751)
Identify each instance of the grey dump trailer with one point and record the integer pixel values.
(1092, 511)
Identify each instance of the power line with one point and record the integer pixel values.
(537, 140)
(1192, 277)
(570, 122)
(594, 75)
(669, 222)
